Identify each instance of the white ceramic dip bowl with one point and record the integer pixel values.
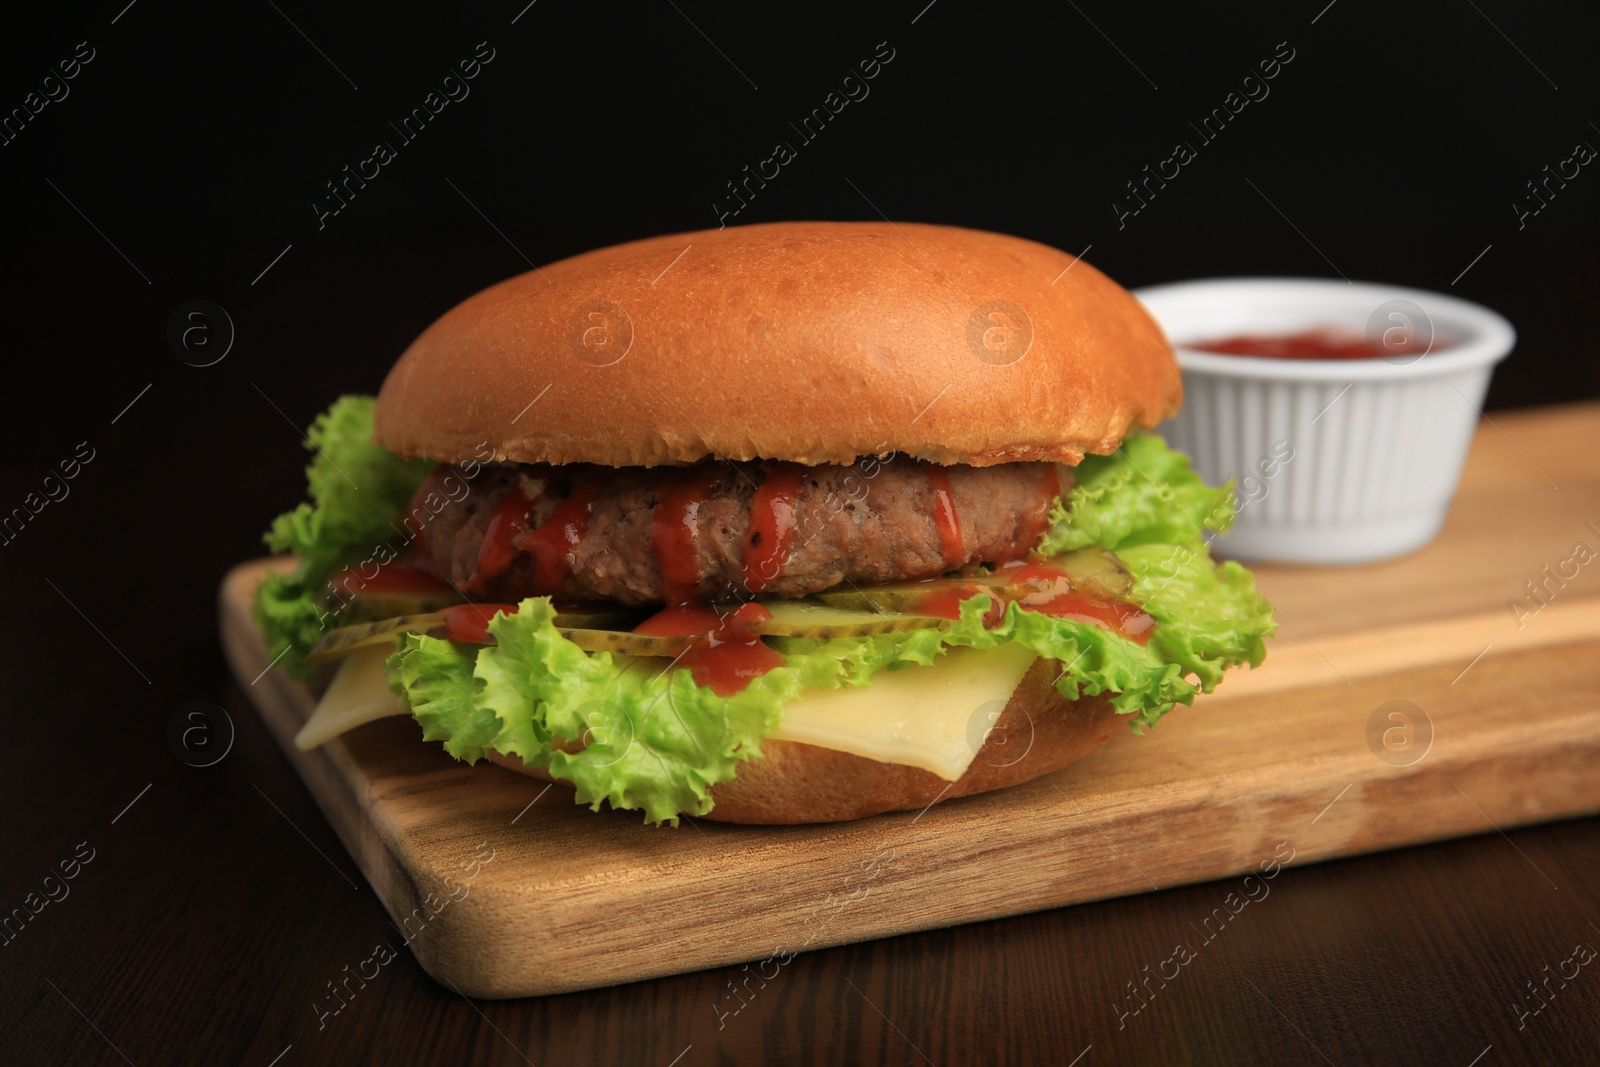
(1336, 460)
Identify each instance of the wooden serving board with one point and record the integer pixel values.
(506, 888)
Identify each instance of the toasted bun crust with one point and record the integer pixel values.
(1039, 731)
(815, 342)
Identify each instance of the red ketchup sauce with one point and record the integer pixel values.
(945, 518)
(1118, 616)
(1050, 593)
(468, 624)
(724, 655)
(772, 522)
(946, 602)
(552, 544)
(1050, 487)
(497, 550)
(411, 574)
(431, 485)
(674, 526)
(401, 577)
(1323, 343)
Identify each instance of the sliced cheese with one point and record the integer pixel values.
(359, 693)
(936, 718)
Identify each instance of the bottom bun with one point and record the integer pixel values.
(1039, 731)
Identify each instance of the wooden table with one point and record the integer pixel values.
(218, 905)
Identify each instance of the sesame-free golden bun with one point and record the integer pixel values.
(813, 342)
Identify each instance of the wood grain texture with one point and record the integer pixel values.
(1279, 756)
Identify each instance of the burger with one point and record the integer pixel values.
(786, 523)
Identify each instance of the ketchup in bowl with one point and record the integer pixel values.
(1322, 343)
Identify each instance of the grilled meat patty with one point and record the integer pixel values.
(726, 531)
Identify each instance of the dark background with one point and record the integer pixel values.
(186, 158)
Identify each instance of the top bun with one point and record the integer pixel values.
(814, 342)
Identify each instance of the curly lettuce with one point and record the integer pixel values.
(1145, 503)
(357, 490)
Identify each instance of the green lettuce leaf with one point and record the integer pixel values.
(437, 682)
(654, 740)
(1145, 503)
(357, 490)
(1143, 493)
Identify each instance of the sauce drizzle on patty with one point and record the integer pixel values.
(675, 528)
(772, 523)
(552, 544)
(945, 518)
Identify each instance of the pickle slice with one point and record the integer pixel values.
(625, 643)
(383, 606)
(573, 626)
(789, 618)
(347, 639)
(599, 627)
(900, 600)
(600, 616)
(379, 607)
(805, 618)
(1092, 570)
(851, 612)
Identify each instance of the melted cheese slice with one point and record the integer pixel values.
(359, 693)
(935, 718)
